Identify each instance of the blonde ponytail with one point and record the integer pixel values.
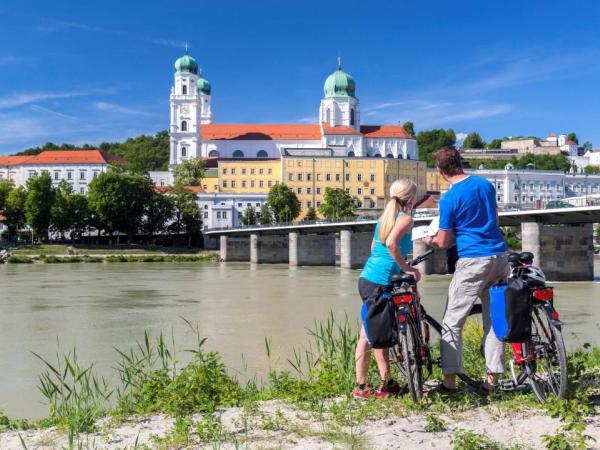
(401, 192)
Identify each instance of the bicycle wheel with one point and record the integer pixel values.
(549, 372)
(413, 370)
(434, 345)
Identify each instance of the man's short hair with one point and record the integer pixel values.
(448, 161)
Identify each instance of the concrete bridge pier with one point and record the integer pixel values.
(269, 248)
(235, 248)
(311, 249)
(355, 248)
(437, 264)
(563, 252)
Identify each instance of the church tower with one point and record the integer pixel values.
(185, 111)
(204, 91)
(340, 105)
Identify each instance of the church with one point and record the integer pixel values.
(339, 131)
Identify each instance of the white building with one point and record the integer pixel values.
(594, 157)
(193, 133)
(77, 167)
(225, 210)
(532, 187)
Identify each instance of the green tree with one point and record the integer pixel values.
(159, 210)
(473, 140)
(53, 146)
(265, 216)
(572, 137)
(430, 141)
(337, 204)
(62, 209)
(143, 152)
(38, 206)
(311, 214)
(14, 210)
(451, 136)
(592, 169)
(283, 203)
(249, 216)
(119, 200)
(495, 144)
(5, 188)
(409, 127)
(187, 216)
(81, 215)
(189, 172)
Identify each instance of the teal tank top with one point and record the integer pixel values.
(380, 266)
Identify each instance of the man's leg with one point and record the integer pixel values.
(469, 277)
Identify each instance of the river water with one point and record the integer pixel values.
(97, 307)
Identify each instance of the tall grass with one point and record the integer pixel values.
(76, 396)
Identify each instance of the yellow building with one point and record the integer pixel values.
(366, 179)
(246, 176)
(435, 182)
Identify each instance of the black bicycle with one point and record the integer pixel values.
(541, 361)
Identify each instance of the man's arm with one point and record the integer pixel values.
(443, 239)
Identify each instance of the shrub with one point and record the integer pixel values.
(16, 259)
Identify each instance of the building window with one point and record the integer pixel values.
(372, 191)
(359, 177)
(251, 183)
(318, 191)
(243, 183)
(309, 190)
(224, 214)
(309, 204)
(347, 190)
(243, 171)
(270, 183)
(218, 214)
(290, 177)
(238, 154)
(262, 154)
(82, 175)
(299, 190)
(233, 171)
(258, 204)
(224, 183)
(232, 183)
(251, 171)
(347, 177)
(328, 177)
(206, 215)
(205, 206)
(239, 205)
(260, 183)
(338, 177)
(352, 117)
(308, 177)
(184, 125)
(350, 153)
(318, 204)
(224, 171)
(69, 175)
(270, 171)
(82, 190)
(261, 171)
(184, 89)
(56, 175)
(213, 154)
(300, 177)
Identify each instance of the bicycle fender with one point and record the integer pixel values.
(402, 320)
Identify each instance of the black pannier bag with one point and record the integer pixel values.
(379, 319)
(510, 310)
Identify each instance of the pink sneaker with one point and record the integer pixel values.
(388, 390)
(363, 394)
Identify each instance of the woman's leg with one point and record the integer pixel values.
(362, 357)
(382, 357)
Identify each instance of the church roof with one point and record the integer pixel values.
(72, 157)
(9, 161)
(261, 132)
(295, 132)
(570, 143)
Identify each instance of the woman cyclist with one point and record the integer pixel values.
(391, 243)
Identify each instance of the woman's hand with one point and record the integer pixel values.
(415, 273)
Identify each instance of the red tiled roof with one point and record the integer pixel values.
(340, 129)
(570, 143)
(551, 135)
(73, 157)
(429, 203)
(266, 132)
(6, 161)
(384, 131)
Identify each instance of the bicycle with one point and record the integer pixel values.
(541, 361)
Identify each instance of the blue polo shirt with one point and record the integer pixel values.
(469, 210)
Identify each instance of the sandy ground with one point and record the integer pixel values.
(278, 425)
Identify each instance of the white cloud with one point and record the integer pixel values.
(119, 109)
(308, 119)
(167, 42)
(24, 98)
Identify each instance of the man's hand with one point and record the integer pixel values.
(427, 240)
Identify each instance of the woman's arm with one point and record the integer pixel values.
(402, 227)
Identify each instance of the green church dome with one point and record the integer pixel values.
(186, 64)
(339, 84)
(203, 85)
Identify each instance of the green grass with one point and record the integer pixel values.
(55, 259)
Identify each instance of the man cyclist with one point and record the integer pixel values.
(468, 214)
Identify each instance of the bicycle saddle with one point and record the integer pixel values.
(523, 258)
(402, 278)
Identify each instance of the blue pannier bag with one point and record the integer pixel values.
(379, 319)
(510, 310)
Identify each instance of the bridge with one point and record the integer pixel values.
(561, 240)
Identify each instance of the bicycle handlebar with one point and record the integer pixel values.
(419, 259)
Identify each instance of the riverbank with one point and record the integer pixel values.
(162, 403)
(84, 249)
(206, 256)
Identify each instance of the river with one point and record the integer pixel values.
(97, 307)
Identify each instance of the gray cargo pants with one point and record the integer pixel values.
(472, 279)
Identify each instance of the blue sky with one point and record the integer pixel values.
(90, 71)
